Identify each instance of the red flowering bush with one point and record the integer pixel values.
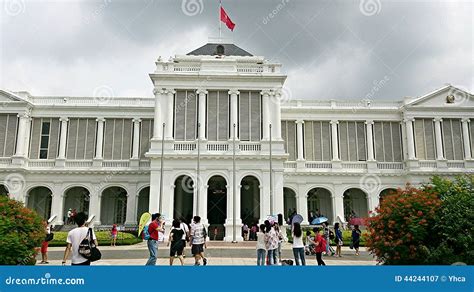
(21, 232)
(399, 231)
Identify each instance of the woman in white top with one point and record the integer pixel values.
(298, 245)
(261, 251)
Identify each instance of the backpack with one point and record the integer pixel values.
(88, 249)
(331, 235)
(146, 233)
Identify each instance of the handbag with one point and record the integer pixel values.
(49, 237)
(88, 249)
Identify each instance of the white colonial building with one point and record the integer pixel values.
(219, 121)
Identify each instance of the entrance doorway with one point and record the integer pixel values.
(216, 207)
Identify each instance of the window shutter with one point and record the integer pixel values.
(429, 138)
(326, 140)
(292, 140)
(180, 109)
(447, 139)
(352, 141)
(71, 139)
(284, 135)
(378, 139)
(11, 135)
(387, 142)
(117, 139)
(471, 134)
(343, 141)
(191, 115)
(223, 122)
(53, 139)
(309, 141)
(91, 137)
(3, 134)
(244, 115)
(108, 138)
(212, 116)
(255, 115)
(361, 141)
(80, 139)
(397, 141)
(145, 136)
(458, 144)
(420, 139)
(127, 139)
(35, 138)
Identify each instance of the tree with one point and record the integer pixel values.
(21, 232)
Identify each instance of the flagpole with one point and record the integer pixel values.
(220, 22)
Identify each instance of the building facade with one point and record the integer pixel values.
(219, 121)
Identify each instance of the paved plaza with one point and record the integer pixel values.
(218, 253)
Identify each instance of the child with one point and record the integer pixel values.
(113, 235)
(320, 246)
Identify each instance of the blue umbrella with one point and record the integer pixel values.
(319, 220)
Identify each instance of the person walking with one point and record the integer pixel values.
(338, 239)
(198, 241)
(298, 245)
(356, 238)
(44, 245)
(113, 235)
(153, 229)
(184, 226)
(74, 239)
(261, 251)
(320, 243)
(327, 237)
(271, 242)
(177, 243)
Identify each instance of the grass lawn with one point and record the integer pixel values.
(103, 238)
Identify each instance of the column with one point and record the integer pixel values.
(94, 204)
(439, 139)
(62, 138)
(131, 215)
(299, 138)
(158, 123)
(22, 127)
(372, 201)
(100, 138)
(266, 113)
(465, 137)
(203, 204)
(334, 140)
(370, 140)
(338, 207)
(302, 207)
(234, 119)
(410, 139)
(276, 125)
(169, 120)
(202, 113)
(27, 136)
(136, 138)
(57, 206)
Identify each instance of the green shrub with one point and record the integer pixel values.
(21, 233)
(346, 236)
(103, 238)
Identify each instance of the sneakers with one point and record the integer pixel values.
(204, 261)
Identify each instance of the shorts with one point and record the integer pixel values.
(44, 247)
(177, 248)
(114, 236)
(197, 248)
(356, 243)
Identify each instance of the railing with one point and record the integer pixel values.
(78, 163)
(5, 161)
(115, 163)
(184, 146)
(318, 165)
(250, 146)
(455, 164)
(289, 164)
(187, 68)
(77, 100)
(427, 164)
(41, 163)
(249, 69)
(390, 165)
(217, 147)
(144, 163)
(354, 165)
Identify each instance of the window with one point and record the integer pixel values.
(317, 140)
(8, 129)
(218, 115)
(81, 138)
(185, 113)
(424, 139)
(352, 141)
(452, 139)
(288, 133)
(387, 141)
(249, 115)
(44, 141)
(118, 139)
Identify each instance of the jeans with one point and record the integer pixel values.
(153, 249)
(277, 254)
(298, 252)
(261, 257)
(319, 258)
(271, 256)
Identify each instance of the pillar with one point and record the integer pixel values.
(338, 209)
(100, 138)
(276, 124)
(132, 198)
(299, 138)
(439, 139)
(234, 118)
(302, 206)
(136, 138)
(155, 188)
(372, 201)
(410, 139)
(334, 140)
(202, 113)
(158, 122)
(27, 136)
(57, 206)
(94, 204)
(63, 137)
(22, 127)
(466, 139)
(266, 113)
(370, 140)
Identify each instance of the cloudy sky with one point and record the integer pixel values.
(329, 49)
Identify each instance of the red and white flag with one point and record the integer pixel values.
(226, 19)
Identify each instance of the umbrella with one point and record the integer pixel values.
(297, 219)
(319, 220)
(357, 221)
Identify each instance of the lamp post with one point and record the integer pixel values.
(161, 168)
(234, 201)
